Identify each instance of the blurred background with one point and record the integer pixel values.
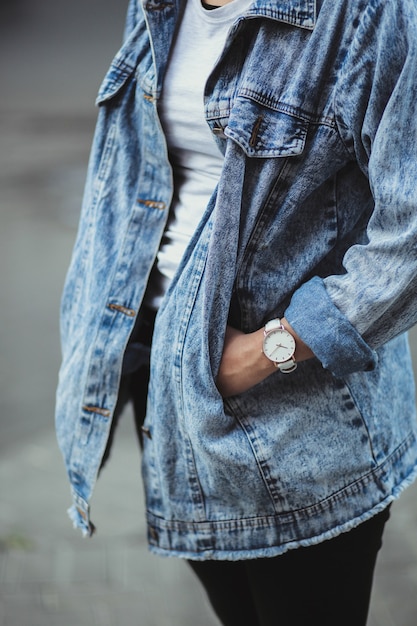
(52, 58)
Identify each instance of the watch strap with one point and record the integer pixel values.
(287, 367)
(273, 325)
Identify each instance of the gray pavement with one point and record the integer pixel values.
(52, 56)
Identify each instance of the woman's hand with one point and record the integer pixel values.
(244, 364)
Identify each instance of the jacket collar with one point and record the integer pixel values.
(300, 13)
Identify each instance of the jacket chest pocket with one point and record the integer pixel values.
(263, 131)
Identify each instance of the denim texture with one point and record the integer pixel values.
(314, 106)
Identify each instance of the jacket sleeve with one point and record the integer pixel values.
(345, 318)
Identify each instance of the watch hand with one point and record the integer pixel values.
(277, 346)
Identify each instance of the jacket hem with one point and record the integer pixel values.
(79, 514)
(268, 536)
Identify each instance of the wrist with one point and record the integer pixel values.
(279, 346)
(282, 347)
(302, 351)
(263, 363)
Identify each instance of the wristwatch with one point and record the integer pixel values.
(279, 346)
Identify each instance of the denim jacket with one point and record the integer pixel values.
(314, 106)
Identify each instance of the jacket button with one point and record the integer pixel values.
(153, 533)
(219, 131)
(146, 432)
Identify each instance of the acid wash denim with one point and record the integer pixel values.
(314, 105)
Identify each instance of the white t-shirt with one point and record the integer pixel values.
(194, 155)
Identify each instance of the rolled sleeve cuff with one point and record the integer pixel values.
(327, 332)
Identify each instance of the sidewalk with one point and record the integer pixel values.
(51, 576)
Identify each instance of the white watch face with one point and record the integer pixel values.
(279, 345)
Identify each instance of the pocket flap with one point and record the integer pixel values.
(114, 80)
(135, 50)
(265, 132)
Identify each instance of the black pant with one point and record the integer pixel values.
(328, 584)
(135, 377)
